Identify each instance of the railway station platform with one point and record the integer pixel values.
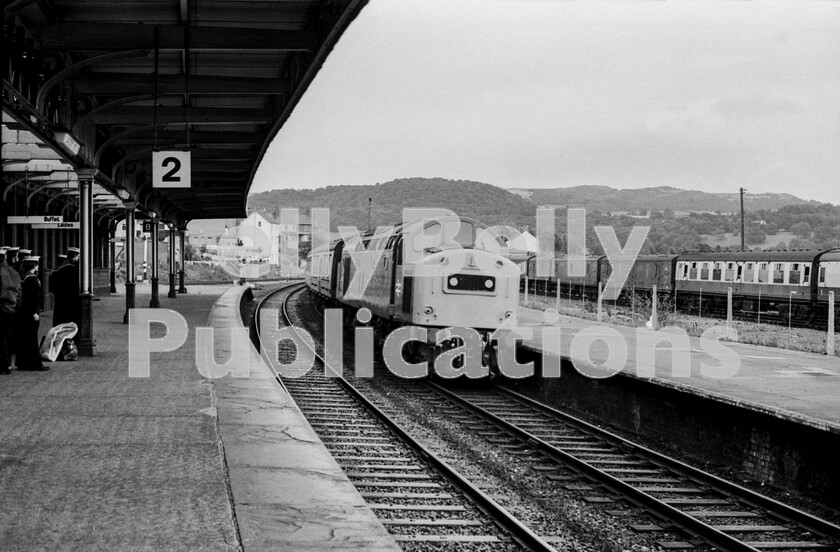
(92, 459)
(772, 413)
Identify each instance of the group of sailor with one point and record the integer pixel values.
(20, 304)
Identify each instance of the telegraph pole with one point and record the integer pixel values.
(370, 201)
(743, 237)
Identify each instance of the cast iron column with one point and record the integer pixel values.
(172, 293)
(155, 302)
(182, 232)
(87, 343)
(112, 254)
(130, 277)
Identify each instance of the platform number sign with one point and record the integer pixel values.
(171, 169)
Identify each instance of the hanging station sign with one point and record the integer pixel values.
(36, 219)
(56, 226)
(171, 169)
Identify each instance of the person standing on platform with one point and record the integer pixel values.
(11, 258)
(9, 298)
(64, 284)
(21, 255)
(54, 280)
(28, 317)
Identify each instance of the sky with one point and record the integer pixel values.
(547, 93)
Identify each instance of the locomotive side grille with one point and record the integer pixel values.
(471, 282)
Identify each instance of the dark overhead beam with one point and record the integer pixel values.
(212, 155)
(132, 83)
(197, 115)
(13, 7)
(90, 36)
(197, 139)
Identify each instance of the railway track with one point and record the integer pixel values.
(684, 500)
(421, 500)
(720, 513)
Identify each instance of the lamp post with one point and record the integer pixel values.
(743, 243)
(790, 306)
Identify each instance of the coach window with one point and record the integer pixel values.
(822, 274)
(794, 275)
(739, 277)
(807, 275)
(717, 272)
(779, 273)
(704, 271)
(693, 273)
(729, 275)
(763, 275)
(749, 273)
(684, 271)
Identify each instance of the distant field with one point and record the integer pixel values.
(727, 240)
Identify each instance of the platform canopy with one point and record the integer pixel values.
(105, 83)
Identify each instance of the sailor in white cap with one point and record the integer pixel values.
(28, 317)
(11, 257)
(21, 255)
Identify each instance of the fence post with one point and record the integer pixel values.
(600, 305)
(829, 345)
(728, 306)
(526, 291)
(654, 307)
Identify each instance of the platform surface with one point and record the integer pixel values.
(801, 387)
(91, 459)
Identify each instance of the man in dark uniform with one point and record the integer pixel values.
(9, 298)
(21, 255)
(64, 283)
(28, 317)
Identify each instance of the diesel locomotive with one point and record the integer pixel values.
(435, 274)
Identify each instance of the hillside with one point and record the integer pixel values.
(680, 220)
(349, 204)
(606, 199)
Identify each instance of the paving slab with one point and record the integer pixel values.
(289, 492)
(91, 459)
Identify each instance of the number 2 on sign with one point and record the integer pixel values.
(172, 175)
(171, 169)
